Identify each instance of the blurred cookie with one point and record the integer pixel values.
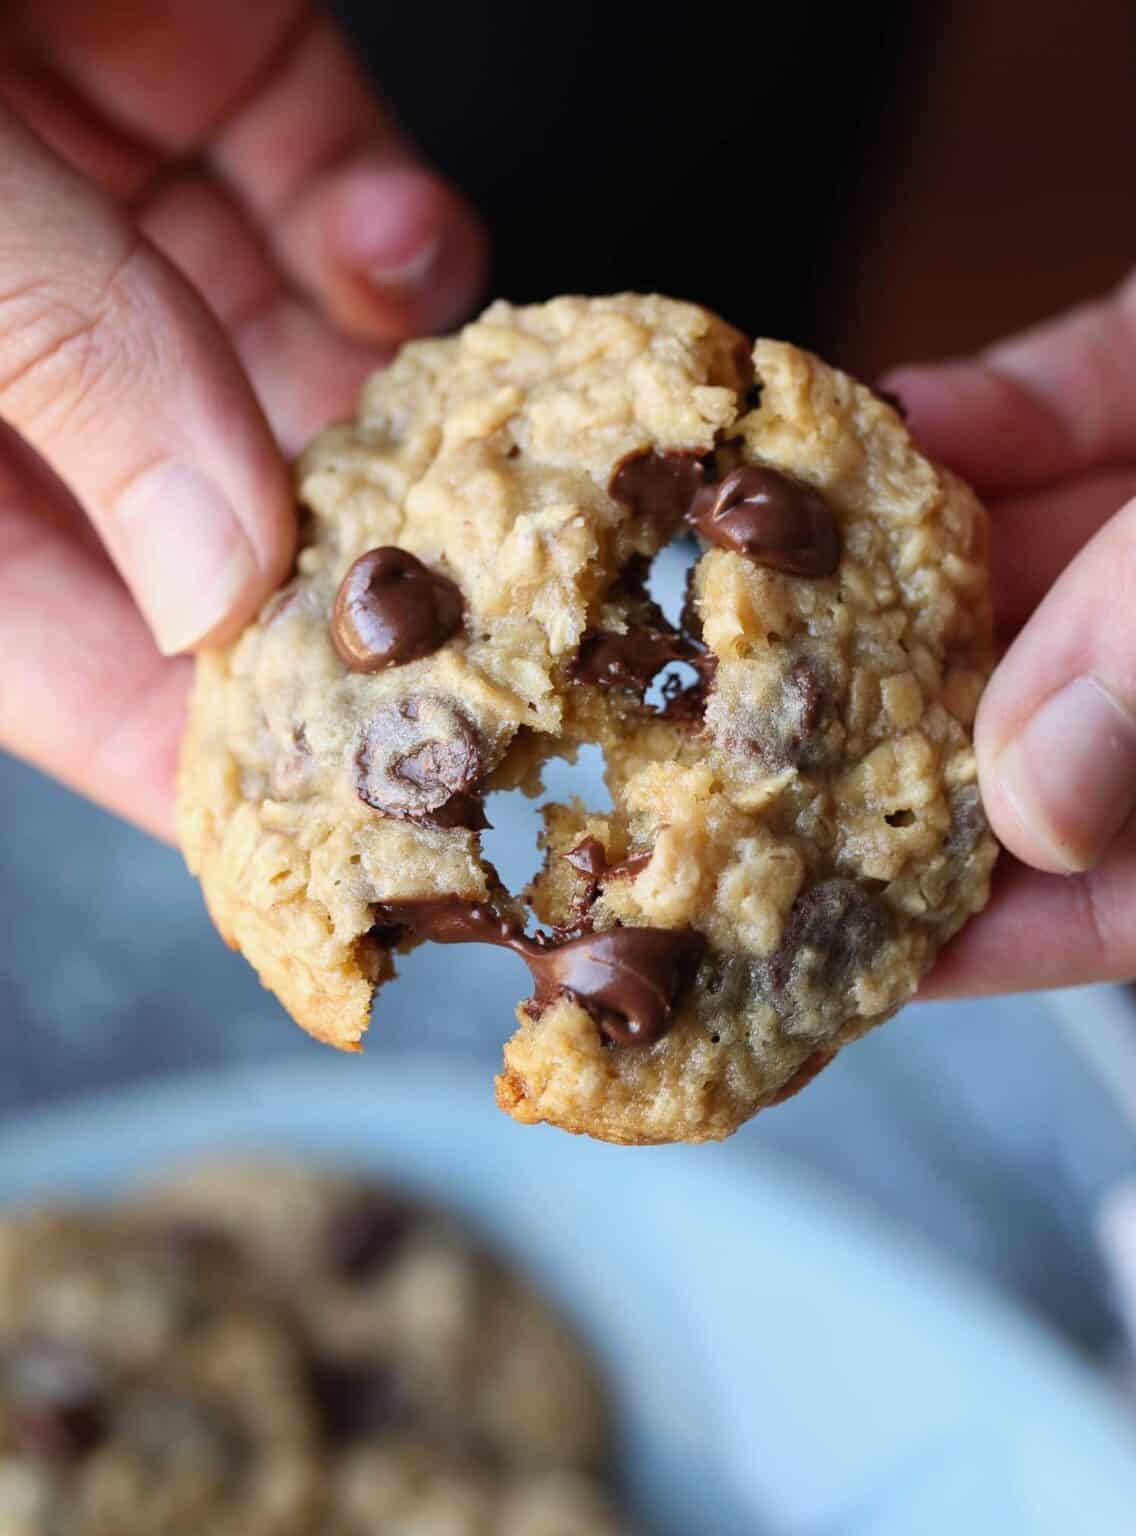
(273, 1350)
(413, 1326)
(148, 1386)
(796, 831)
(406, 1486)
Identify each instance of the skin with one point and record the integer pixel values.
(203, 253)
(1044, 426)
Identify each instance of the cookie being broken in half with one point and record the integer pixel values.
(794, 834)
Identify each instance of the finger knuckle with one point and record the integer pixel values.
(66, 355)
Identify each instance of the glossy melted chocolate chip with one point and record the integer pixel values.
(627, 978)
(420, 759)
(608, 659)
(391, 609)
(771, 518)
(54, 1398)
(658, 487)
(589, 859)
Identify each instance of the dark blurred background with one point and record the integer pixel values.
(880, 182)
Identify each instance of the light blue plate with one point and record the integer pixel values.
(781, 1362)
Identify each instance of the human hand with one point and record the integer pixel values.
(210, 232)
(1044, 426)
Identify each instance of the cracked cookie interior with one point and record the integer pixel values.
(802, 819)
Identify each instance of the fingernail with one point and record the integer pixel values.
(410, 274)
(1070, 773)
(183, 553)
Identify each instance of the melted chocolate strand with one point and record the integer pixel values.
(610, 660)
(658, 486)
(627, 978)
(391, 609)
(771, 518)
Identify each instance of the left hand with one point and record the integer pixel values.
(210, 232)
(1044, 426)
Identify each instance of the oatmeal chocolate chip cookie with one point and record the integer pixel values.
(408, 1486)
(796, 831)
(147, 1386)
(273, 1350)
(415, 1330)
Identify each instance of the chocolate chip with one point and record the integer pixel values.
(657, 487)
(685, 688)
(373, 952)
(365, 1234)
(770, 517)
(968, 822)
(355, 1401)
(391, 609)
(833, 931)
(56, 1400)
(631, 584)
(452, 920)
(608, 659)
(419, 759)
(690, 619)
(805, 700)
(629, 979)
(589, 858)
(784, 727)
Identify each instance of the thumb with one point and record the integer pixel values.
(1056, 730)
(114, 370)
